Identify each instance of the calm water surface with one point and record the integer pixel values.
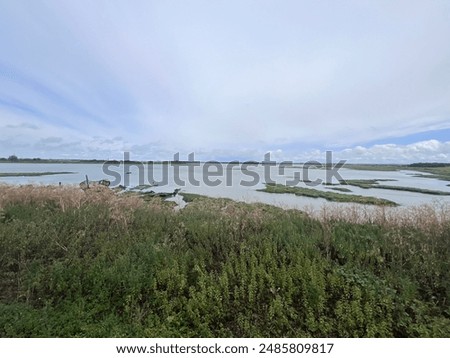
(234, 183)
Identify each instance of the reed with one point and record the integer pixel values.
(95, 263)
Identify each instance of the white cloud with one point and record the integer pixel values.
(424, 151)
(207, 76)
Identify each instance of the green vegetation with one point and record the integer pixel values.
(188, 197)
(94, 264)
(35, 174)
(344, 190)
(15, 159)
(437, 172)
(414, 190)
(362, 183)
(314, 193)
(429, 165)
(376, 167)
(373, 184)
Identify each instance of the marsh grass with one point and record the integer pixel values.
(330, 196)
(413, 190)
(442, 173)
(344, 190)
(374, 184)
(376, 167)
(189, 197)
(93, 263)
(362, 183)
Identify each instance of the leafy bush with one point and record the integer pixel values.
(104, 265)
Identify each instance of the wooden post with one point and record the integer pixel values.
(87, 182)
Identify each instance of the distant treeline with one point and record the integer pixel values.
(429, 165)
(14, 159)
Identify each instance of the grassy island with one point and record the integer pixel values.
(330, 196)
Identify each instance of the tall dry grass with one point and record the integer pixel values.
(67, 197)
(217, 268)
(433, 219)
(430, 218)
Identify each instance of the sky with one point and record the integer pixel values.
(226, 80)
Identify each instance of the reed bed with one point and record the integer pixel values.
(424, 217)
(94, 263)
(67, 197)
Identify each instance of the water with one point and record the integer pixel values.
(231, 182)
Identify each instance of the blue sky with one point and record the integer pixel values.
(227, 80)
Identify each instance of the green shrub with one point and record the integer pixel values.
(216, 269)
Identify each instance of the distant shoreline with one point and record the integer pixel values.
(357, 166)
(433, 170)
